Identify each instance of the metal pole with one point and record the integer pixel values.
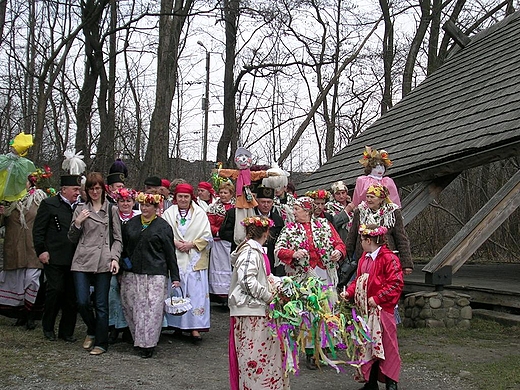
(206, 114)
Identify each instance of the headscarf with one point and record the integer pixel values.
(185, 188)
(338, 186)
(207, 186)
(304, 202)
(379, 191)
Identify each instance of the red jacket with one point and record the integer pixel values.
(385, 282)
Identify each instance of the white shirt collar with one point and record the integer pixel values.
(374, 254)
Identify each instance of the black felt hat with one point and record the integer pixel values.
(70, 180)
(153, 181)
(116, 177)
(264, 192)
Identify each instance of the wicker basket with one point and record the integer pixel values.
(177, 305)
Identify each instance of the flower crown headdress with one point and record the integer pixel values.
(257, 221)
(319, 194)
(148, 198)
(369, 154)
(378, 231)
(124, 193)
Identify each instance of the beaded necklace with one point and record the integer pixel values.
(145, 223)
(183, 214)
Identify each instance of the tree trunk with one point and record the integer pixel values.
(106, 101)
(3, 8)
(388, 57)
(415, 47)
(91, 18)
(433, 44)
(230, 132)
(171, 22)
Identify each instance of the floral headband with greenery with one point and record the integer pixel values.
(369, 154)
(378, 231)
(124, 193)
(319, 194)
(257, 221)
(148, 198)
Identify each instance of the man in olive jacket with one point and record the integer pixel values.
(55, 251)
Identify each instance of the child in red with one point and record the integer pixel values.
(376, 291)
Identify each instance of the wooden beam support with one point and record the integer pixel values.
(417, 200)
(478, 229)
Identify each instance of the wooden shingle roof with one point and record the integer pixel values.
(464, 115)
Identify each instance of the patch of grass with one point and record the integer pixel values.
(498, 374)
(487, 354)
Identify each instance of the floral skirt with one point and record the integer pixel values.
(142, 297)
(257, 354)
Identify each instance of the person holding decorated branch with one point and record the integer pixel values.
(255, 353)
(378, 209)
(310, 247)
(192, 240)
(376, 291)
(219, 264)
(97, 231)
(148, 258)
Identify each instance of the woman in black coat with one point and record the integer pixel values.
(148, 258)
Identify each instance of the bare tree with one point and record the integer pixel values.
(171, 21)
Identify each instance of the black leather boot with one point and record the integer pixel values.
(310, 362)
(390, 384)
(372, 380)
(146, 353)
(113, 335)
(30, 324)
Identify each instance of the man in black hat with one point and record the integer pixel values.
(117, 174)
(152, 185)
(264, 197)
(55, 251)
(115, 181)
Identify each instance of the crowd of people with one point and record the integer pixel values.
(114, 254)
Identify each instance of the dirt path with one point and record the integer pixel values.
(30, 362)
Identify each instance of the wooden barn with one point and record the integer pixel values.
(464, 115)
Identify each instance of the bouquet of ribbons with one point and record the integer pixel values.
(307, 313)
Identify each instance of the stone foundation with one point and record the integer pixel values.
(437, 309)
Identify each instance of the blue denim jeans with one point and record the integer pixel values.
(97, 325)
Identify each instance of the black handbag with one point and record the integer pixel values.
(346, 270)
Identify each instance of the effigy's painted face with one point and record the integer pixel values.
(242, 161)
(378, 170)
